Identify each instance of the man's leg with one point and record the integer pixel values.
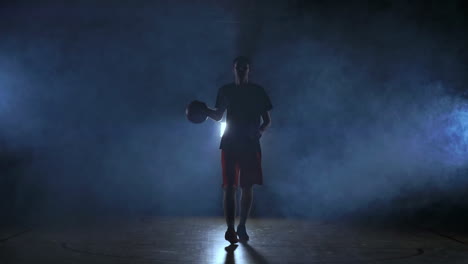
(230, 213)
(246, 204)
(230, 173)
(229, 203)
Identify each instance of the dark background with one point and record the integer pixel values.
(370, 118)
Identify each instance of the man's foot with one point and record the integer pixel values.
(242, 233)
(231, 236)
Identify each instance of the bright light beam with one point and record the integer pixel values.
(222, 128)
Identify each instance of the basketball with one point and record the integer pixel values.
(195, 112)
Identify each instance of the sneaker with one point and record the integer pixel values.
(242, 233)
(231, 236)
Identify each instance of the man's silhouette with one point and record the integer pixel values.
(246, 103)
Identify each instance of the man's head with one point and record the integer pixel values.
(241, 69)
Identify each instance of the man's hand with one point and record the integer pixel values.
(266, 123)
(215, 114)
(259, 134)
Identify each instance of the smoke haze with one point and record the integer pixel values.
(369, 109)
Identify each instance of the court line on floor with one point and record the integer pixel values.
(98, 254)
(4, 239)
(446, 236)
(66, 246)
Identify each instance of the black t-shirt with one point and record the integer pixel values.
(244, 104)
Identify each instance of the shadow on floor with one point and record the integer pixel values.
(230, 254)
(252, 255)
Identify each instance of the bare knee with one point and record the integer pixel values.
(229, 190)
(247, 190)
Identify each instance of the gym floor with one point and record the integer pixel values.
(201, 240)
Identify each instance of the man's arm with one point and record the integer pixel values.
(266, 121)
(215, 113)
(266, 106)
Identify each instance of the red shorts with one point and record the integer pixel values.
(248, 165)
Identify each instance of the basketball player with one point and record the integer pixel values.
(246, 103)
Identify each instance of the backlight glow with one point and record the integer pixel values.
(222, 128)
